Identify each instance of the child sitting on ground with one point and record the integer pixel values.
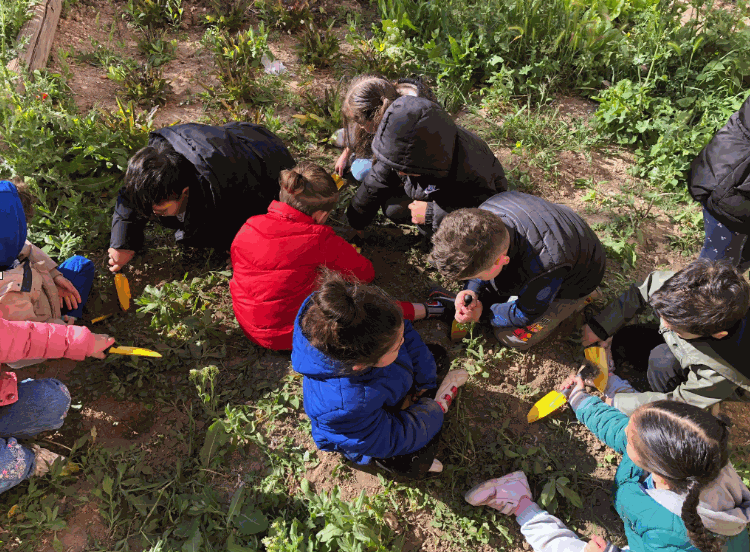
(674, 489)
(33, 287)
(698, 352)
(34, 406)
(534, 262)
(367, 379)
(277, 257)
(365, 102)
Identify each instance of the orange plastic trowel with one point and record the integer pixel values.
(595, 371)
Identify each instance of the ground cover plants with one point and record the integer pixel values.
(599, 105)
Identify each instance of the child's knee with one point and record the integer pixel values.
(42, 406)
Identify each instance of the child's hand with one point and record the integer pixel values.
(102, 342)
(340, 166)
(119, 258)
(596, 544)
(589, 338)
(418, 211)
(69, 296)
(574, 381)
(465, 314)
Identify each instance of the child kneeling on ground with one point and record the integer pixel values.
(674, 489)
(534, 262)
(698, 352)
(367, 379)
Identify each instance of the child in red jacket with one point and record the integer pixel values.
(276, 258)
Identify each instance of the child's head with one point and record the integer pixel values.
(470, 243)
(353, 323)
(310, 189)
(685, 447)
(153, 181)
(705, 298)
(364, 105)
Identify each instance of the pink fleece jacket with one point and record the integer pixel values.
(22, 340)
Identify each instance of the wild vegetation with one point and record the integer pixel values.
(664, 75)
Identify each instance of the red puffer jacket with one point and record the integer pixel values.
(275, 258)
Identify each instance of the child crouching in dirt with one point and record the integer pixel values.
(674, 489)
(367, 379)
(698, 352)
(277, 256)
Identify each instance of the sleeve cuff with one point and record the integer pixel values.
(577, 399)
(597, 328)
(531, 511)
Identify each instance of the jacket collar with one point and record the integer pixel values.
(283, 210)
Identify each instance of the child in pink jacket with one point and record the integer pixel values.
(40, 405)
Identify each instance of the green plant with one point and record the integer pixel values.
(322, 112)
(286, 15)
(319, 46)
(155, 13)
(13, 15)
(143, 83)
(156, 48)
(203, 379)
(102, 56)
(228, 14)
(369, 55)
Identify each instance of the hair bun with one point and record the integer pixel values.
(292, 181)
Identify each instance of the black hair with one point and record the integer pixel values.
(155, 174)
(703, 298)
(688, 447)
(351, 322)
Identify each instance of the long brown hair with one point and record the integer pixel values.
(351, 322)
(688, 447)
(308, 188)
(368, 98)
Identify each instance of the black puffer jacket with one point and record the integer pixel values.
(546, 238)
(719, 177)
(457, 168)
(233, 174)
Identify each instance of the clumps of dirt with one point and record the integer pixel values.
(85, 525)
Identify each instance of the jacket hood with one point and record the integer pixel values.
(12, 225)
(316, 364)
(416, 136)
(724, 505)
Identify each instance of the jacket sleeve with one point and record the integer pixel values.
(380, 183)
(127, 226)
(384, 434)
(624, 308)
(22, 340)
(604, 421)
(703, 388)
(533, 301)
(425, 370)
(342, 257)
(37, 256)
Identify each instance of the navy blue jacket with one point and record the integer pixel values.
(356, 413)
(553, 254)
(233, 174)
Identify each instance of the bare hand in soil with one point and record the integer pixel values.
(574, 381)
(596, 544)
(465, 314)
(119, 258)
(418, 211)
(340, 166)
(102, 342)
(69, 296)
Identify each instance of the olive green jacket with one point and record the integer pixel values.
(711, 379)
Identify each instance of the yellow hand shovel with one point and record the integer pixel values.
(135, 351)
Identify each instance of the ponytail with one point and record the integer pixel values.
(689, 448)
(308, 188)
(351, 322)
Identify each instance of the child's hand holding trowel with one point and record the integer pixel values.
(468, 307)
(102, 342)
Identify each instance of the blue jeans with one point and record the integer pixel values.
(80, 271)
(721, 243)
(41, 406)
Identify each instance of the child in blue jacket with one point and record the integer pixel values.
(367, 377)
(675, 489)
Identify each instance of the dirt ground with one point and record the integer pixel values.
(513, 382)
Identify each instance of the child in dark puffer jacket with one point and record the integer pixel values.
(367, 378)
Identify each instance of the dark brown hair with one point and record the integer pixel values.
(368, 98)
(308, 188)
(688, 447)
(467, 242)
(28, 200)
(351, 322)
(703, 298)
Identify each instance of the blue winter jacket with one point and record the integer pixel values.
(652, 517)
(357, 414)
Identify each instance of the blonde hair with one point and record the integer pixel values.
(308, 188)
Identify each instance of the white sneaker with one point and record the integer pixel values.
(437, 466)
(448, 389)
(43, 459)
(502, 494)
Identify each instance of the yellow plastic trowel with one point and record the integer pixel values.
(595, 371)
(135, 351)
(122, 286)
(338, 180)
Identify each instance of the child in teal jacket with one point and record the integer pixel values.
(675, 489)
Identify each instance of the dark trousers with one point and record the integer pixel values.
(416, 464)
(720, 243)
(643, 347)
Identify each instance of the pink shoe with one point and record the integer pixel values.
(502, 494)
(448, 389)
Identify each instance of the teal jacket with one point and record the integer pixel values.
(651, 517)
